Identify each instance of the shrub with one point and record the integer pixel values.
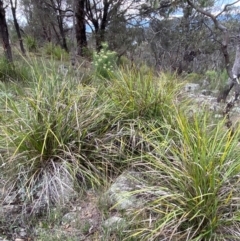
(16, 71)
(194, 77)
(56, 52)
(217, 79)
(31, 43)
(88, 53)
(104, 62)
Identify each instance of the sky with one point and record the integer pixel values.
(219, 4)
(222, 3)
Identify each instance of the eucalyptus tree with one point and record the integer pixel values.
(61, 9)
(18, 31)
(99, 14)
(234, 71)
(47, 20)
(80, 13)
(40, 22)
(4, 34)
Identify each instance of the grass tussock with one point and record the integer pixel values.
(49, 135)
(196, 182)
(60, 134)
(143, 95)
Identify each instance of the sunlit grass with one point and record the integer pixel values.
(143, 95)
(59, 135)
(196, 176)
(49, 133)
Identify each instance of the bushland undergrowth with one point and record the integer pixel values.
(59, 134)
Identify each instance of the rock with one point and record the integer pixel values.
(191, 87)
(114, 224)
(22, 233)
(62, 69)
(76, 221)
(205, 83)
(120, 194)
(206, 92)
(70, 218)
(131, 191)
(3, 239)
(236, 110)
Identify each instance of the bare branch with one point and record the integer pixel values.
(208, 14)
(226, 6)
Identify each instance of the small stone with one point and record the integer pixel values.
(3, 239)
(205, 83)
(206, 92)
(191, 87)
(23, 233)
(218, 116)
(69, 218)
(119, 194)
(114, 223)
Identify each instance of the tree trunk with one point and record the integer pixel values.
(4, 34)
(61, 29)
(13, 8)
(233, 73)
(99, 39)
(47, 33)
(100, 34)
(80, 27)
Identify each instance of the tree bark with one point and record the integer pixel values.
(13, 8)
(80, 27)
(100, 34)
(61, 29)
(4, 34)
(233, 73)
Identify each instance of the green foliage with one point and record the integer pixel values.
(104, 62)
(194, 77)
(13, 71)
(196, 184)
(140, 94)
(57, 129)
(31, 43)
(125, 62)
(48, 132)
(56, 52)
(211, 75)
(88, 53)
(217, 79)
(57, 134)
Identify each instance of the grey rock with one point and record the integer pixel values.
(62, 69)
(131, 191)
(236, 110)
(3, 239)
(23, 233)
(206, 92)
(120, 194)
(205, 83)
(69, 218)
(191, 87)
(218, 116)
(114, 224)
